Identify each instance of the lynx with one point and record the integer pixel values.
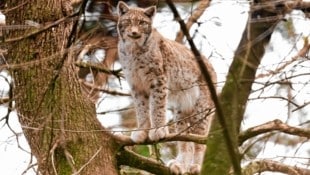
(163, 74)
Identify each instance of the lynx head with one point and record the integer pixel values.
(134, 24)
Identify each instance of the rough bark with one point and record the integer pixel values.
(59, 124)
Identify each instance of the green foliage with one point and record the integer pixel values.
(142, 150)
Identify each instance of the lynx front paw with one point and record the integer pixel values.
(158, 133)
(138, 136)
(194, 169)
(176, 168)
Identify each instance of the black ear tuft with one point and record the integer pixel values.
(122, 8)
(150, 12)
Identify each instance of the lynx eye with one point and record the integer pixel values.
(125, 22)
(142, 23)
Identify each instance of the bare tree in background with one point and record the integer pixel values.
(45, 58)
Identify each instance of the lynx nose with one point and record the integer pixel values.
(134, 34)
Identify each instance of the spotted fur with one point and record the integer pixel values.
(163, 74)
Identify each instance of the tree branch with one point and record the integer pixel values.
(281, 6)
(301, 53)
(98, 88)
(193, 18)
(129, 158)
(4, 100)
(98, 68)
(124, 140)
(275, 125)
(269, 165)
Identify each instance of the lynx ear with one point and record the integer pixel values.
(122, 8)
(150, 12)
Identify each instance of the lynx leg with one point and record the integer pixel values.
(199, 151)
(158, 100)
(200, 125)
(180, 165)
(142, 108)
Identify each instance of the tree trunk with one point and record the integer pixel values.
(235, 94)
(59, 124)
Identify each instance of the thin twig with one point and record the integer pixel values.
(98, 88)
(16, 7)
(29, 64)
(88, 162)
(42, 29)
(30, 165)
(98, 68)
(52, 152)
(116, 110)
(210, 112)
(277, 97)
(301, 53)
